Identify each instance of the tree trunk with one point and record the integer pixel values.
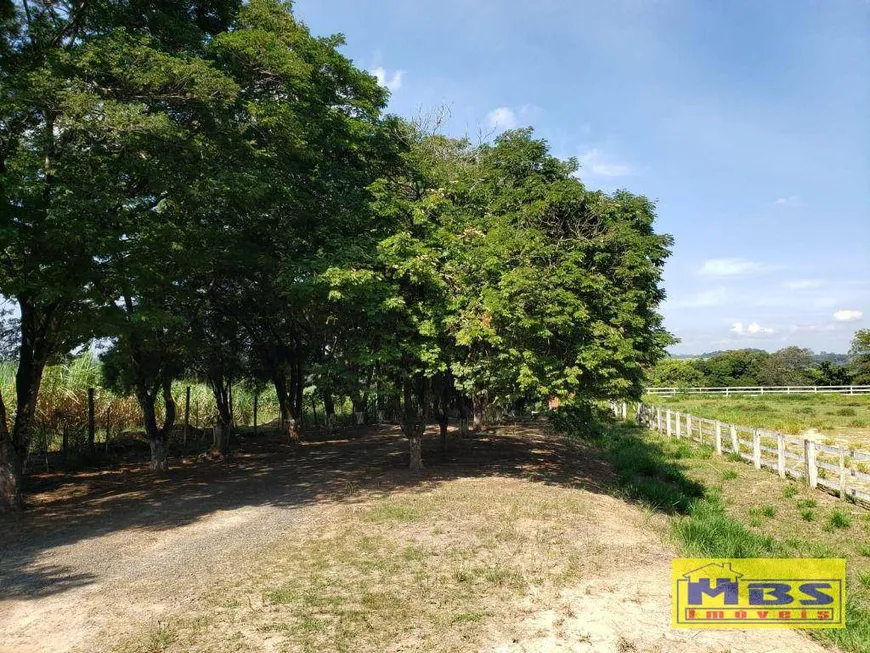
(288, 419)
(11, 469)
(329, 410)
(414, 422)
(159, 454)
(33, 354)
(479, 405)
(298, 382)
(314, 411)
(158, 437)
(444, 409)
(416, 449)
(462, 404)
(359, 415)
(222, 432)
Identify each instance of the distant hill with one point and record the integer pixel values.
(822, 356)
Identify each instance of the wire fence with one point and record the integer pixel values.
(839, 470)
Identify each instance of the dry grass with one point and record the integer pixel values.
(430, 570)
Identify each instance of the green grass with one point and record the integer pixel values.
(706, 520)
(840, 519)
(840, 416)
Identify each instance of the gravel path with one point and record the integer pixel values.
(105, 553)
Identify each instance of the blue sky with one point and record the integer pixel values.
(748, 121)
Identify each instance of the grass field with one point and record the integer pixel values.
(725, 508)
(840, 418)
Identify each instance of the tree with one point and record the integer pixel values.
(860, 357)
(739, 367)
(92, 97)
(673, 372)
(789, 366)
(828, 373)
(569, 281)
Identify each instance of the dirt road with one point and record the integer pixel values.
(102, 556)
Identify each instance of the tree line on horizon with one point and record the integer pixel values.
(218, 194)
(790, 366)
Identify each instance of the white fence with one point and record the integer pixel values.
(763, 390)
(836, 469)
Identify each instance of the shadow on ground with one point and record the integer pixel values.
(268, 470)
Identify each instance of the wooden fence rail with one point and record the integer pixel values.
(764, 390)
(838, 470)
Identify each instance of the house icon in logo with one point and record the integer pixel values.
(718, 571)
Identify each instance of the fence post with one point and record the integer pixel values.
(735, 443)
(780, 455)
(756, 449)
(689, 426)
(843, 487)
(108, 425)
(624, 411)
(668, 419)
(186, 413)
(92, 433)
(256, 396)
(659, 419)
(718, 437)
(679, 425)
(851, 389)
(810, 457)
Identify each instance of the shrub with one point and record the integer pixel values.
(840, 519)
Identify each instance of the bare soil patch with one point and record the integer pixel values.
(508, 542)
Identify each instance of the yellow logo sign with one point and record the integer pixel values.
(759, 593)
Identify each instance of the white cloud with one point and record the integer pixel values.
(599, 164)
(814, 328)
(394, 83)
(846, 315)
(704, 299)
(727, 267)
(791, 200)
(753, 328)
(803, 284)
(501, 118)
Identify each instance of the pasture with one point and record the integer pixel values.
(835, 419)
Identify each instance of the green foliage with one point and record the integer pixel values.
(676, 373)
(732, 368)
(860, 353)
(840, 519)
(750, 367)
(218, 194)
(789, 366)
